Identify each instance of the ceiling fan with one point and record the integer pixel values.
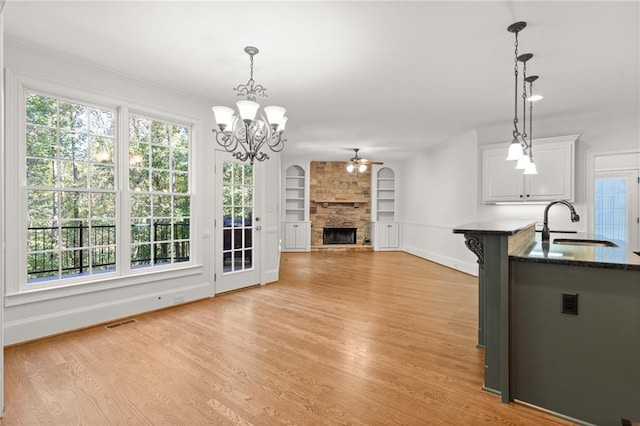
(359, 164)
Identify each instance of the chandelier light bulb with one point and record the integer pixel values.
(247, 110)
(282, 124)
(275, 115)
(223, 116)
(362, 168)
(350, 168)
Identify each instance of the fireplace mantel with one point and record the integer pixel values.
(325, 203)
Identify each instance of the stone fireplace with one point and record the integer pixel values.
(339, 200)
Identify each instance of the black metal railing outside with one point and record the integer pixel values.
(103, 238)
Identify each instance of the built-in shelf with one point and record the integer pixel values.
(295, 194)
(386, 197)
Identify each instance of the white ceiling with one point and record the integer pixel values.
(387, 77)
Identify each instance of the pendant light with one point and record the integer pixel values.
(521, 147)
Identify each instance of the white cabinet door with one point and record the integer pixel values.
(296, 236)
(501, 181)
(394, 235)
(302, 231)
(387, 236)
(554, 158)
(290, 236)
(554, 180)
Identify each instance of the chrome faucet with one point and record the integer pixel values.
(545, 226)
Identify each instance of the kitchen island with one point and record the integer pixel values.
(562, 322)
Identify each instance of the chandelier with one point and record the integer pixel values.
(243, 134)
(521, 147)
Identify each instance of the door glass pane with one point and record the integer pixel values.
(611, 207)
(237, 222)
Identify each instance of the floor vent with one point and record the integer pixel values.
(118, 324)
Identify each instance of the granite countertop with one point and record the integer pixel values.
(494, 227)
(602, 257)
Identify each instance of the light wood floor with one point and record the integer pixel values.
(342, 338)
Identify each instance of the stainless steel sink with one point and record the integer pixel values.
(583, 242)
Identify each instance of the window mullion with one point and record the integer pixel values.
(123, 212)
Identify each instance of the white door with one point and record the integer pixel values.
(617, 205)
(236, 227)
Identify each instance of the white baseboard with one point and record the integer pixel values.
(457, 264)
(67, 320)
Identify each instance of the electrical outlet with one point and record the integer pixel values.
(570, 303)
(178, 299)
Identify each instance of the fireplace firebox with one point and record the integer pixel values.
(339, 235)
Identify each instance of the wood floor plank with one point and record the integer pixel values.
(357, 338)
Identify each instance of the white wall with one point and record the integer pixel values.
(28, 316)
(599, 132)
(2, 203)
(439, 192)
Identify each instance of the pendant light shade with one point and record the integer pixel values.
(350, 168)
(515, 151)
(247, 109)
(523, 162)
(275, 115)
(224, 116)
(283, 124)
(530, 169)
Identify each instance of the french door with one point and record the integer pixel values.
(617, 205)
(236, 227)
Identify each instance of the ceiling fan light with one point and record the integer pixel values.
(247, 109)
(522, 162)
(350, 168)
(362, 168)
(223, 116)
(515, 151)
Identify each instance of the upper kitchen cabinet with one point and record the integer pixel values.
(554, 158)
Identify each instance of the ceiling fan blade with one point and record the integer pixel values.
(371, 162)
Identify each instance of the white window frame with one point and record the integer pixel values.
(24, 285)
(126, 191)
(18, 291)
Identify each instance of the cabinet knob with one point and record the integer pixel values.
(520, 195)
(528, 195)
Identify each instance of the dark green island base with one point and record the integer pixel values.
(584, 367)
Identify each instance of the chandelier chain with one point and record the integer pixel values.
(251, 69)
